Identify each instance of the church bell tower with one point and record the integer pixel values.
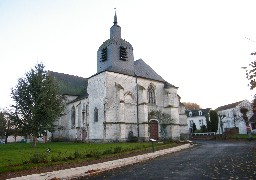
(115, 54)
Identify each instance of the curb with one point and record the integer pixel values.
(100, 167)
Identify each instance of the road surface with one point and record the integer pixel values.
(208, 160)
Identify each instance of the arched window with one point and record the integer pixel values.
(73, 117)
(96, 115)
(151, 95)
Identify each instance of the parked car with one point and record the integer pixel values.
(2, 142)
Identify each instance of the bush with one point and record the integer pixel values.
(56, 158)
(94, 154)
(117, 149)
(38, 158)
(77, 155)
(107, 151)
(167, 141)
(133, 139)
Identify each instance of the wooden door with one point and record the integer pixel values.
(154, 130)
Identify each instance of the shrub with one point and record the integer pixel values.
(38, 158)
(117, 149)
(94, 154)
(77, 155)
(107, 151)
(56, 158)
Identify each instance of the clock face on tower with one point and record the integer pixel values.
(123, 53)
(104, 54)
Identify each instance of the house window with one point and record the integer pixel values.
(151, 95)
(96, 115)
(190, 114)
(191, 123)
(73, 117)
(200, 113)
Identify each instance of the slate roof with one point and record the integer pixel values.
(141, 69)
(196, 112)
(228, 106)
(168, 85)
(77, 86)
(119, 70)
(70, 84)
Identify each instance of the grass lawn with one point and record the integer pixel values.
(242, 136)
(22, 156)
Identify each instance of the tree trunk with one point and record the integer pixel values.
(45, 138)
(34, 139)
(7, 132)
(6, 137)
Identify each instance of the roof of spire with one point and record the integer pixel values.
(115, 19)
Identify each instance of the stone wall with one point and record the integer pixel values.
(118, 98)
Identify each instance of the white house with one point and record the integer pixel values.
(116, 102)
(231, 117)
(198, 117)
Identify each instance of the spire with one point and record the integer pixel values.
(115, 18)
(115, 30)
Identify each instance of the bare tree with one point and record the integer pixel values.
(236, 118)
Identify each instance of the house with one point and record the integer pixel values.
(230, 117)
(198, 117)
(124, 100)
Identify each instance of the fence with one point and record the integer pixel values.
(204, 134)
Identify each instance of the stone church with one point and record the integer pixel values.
(124, 100)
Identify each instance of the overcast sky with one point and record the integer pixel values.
(198, 46)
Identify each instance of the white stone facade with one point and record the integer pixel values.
(120, 97)
(230, 117)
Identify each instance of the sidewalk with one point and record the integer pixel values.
(100, 167)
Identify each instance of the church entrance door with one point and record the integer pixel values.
(153, 129)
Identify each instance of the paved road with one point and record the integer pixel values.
(208, 160)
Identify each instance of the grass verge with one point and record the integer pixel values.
(22, 156)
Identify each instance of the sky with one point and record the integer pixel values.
(198, 46)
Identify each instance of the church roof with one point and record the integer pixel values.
(70, 84)
(196, 112)
(141, 69)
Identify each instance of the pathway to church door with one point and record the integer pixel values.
(154, 129)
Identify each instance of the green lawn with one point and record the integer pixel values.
(242, 136)
(20, 156)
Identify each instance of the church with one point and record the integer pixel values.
(125, 100)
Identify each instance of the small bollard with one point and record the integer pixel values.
(152, 141)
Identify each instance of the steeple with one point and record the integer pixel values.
(115, 19)
(115, 30)
(115, 54)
